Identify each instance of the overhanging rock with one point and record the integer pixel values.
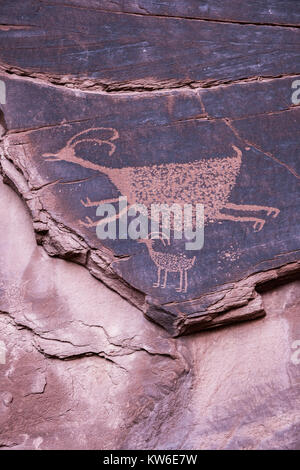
(67, 151)
(158, 103)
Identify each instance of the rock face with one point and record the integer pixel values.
(81, 368)
(159, 103)
(74, 151)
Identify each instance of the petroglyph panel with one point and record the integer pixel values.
(156, 102)
(152, 44)
(76, 151)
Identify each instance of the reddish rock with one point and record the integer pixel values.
(187, 102)
(85, 370)
(54, 158)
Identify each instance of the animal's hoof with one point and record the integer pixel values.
(82, 223)
(89, 222)
(178, 289)
(273, 211)
(87, 203)
(155, 284)
(258, 225)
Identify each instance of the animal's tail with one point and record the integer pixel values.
(238, 152)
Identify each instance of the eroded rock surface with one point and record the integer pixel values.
(158, 102)
(81, 368)
(64, 161)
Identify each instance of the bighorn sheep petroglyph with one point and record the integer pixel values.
(208, 181)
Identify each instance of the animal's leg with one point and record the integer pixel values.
(114, 217)
(89, 203)
(106, 220)
(185, 280)
(165, 280)
(179, 289)
(257, 222)
(157, 284)
(240, 207)
(89, 223)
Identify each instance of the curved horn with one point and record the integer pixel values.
(100, 142)
(86, 131)
(162, 237)
(115, 135)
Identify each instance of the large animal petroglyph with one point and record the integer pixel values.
(208, 181)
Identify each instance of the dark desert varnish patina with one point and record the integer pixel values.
(226, 136)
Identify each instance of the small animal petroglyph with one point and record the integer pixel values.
(168, 262)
